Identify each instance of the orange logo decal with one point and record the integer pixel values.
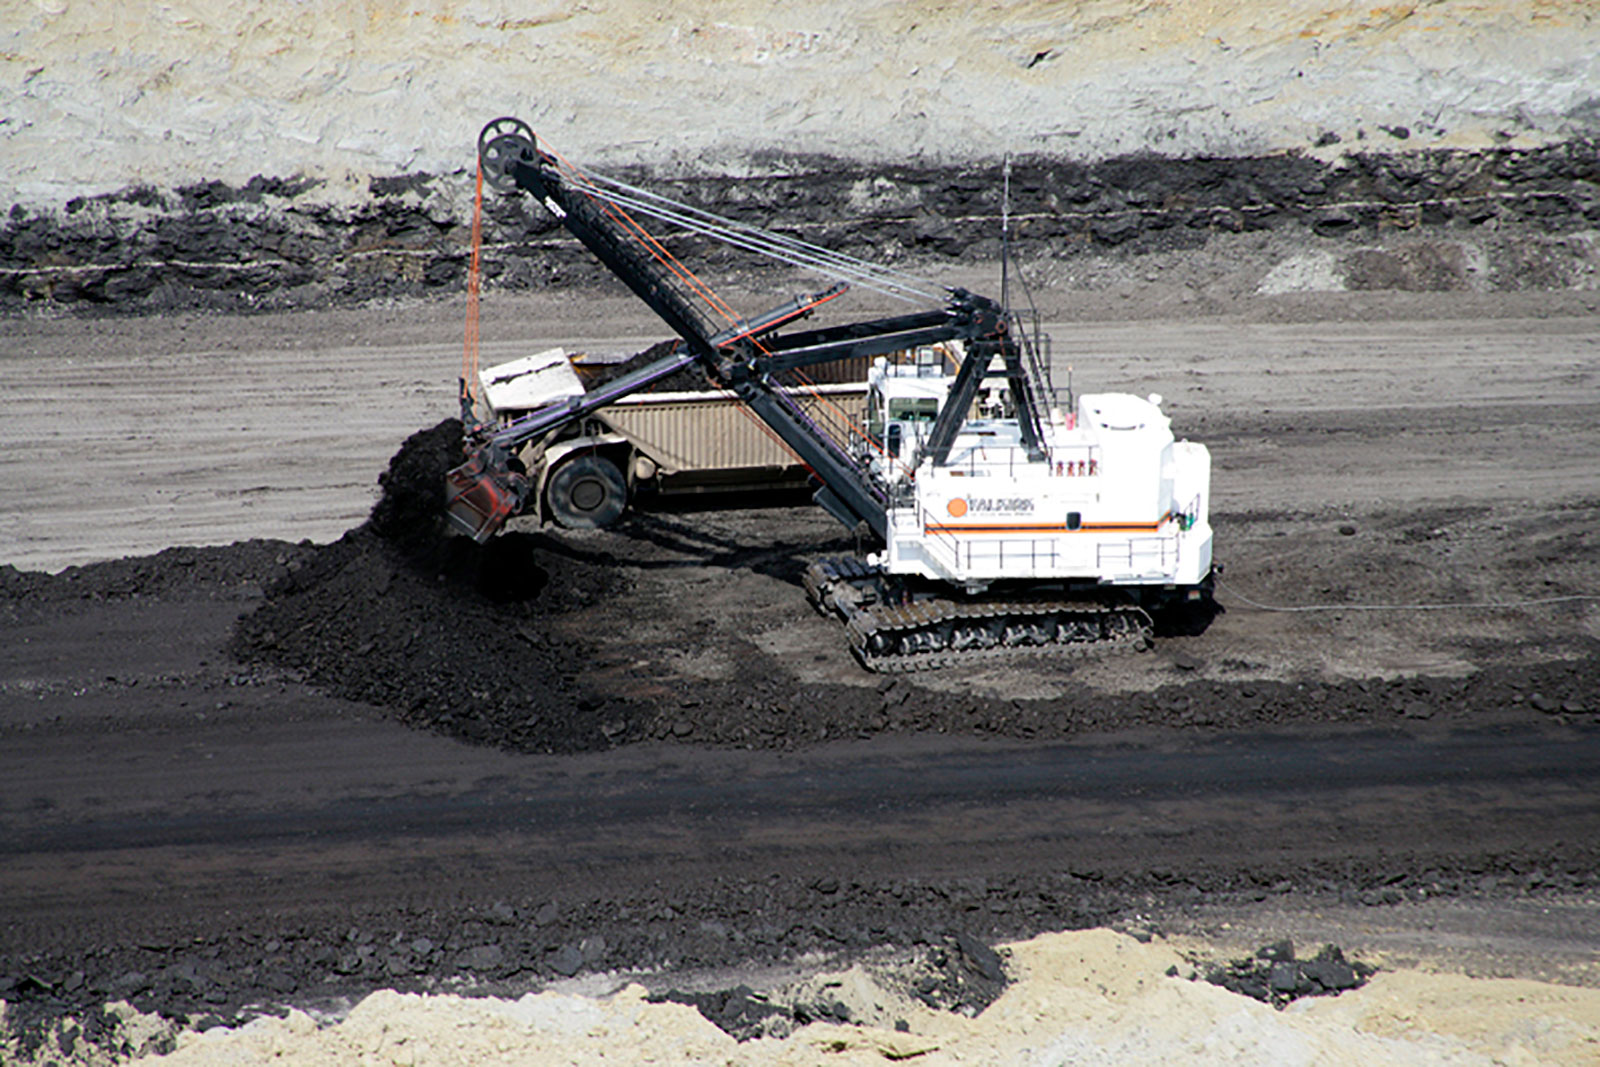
(957, 507)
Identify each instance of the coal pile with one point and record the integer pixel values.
(953, 972)
(741, 1012)
(223, 572)
(551, 642)
(448, 635)
(1273, 975)
(686, 380)
(408, 514)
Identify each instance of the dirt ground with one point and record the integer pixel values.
(306, 763)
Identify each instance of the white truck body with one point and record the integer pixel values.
(688, 441)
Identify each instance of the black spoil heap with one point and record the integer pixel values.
(441, 632)
(740, 1012)
(409, 512)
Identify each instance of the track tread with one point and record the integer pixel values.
(823, 578)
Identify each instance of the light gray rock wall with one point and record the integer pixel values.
(97, 96)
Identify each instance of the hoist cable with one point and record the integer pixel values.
(844, 271)
(798, 255)
(614, 205)
(911, 281)
(654, 247)
(754, 238)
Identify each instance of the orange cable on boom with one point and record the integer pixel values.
(656, 249)
(628, 224)
(706, 293)
(700, 288)
(469, 346)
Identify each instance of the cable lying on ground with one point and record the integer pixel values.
(1410, 607)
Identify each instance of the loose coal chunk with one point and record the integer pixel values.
(1275, 977)
(739, 1012)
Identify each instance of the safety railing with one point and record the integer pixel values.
(1065, 461)
(1137, 556)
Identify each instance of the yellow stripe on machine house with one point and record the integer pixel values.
(1045, 527)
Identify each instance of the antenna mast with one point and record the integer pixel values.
(1005, 237)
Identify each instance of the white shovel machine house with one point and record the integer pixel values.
(1062, 552)
(996, 527)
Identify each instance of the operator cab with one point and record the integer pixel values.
(904, 394)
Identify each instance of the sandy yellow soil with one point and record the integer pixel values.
(1091, 998)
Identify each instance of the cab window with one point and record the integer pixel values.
(875, 415)
(914, 409)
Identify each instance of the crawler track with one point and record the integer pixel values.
(892, 632)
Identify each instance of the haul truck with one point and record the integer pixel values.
(666, 442)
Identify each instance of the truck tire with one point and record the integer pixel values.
(586, 493)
